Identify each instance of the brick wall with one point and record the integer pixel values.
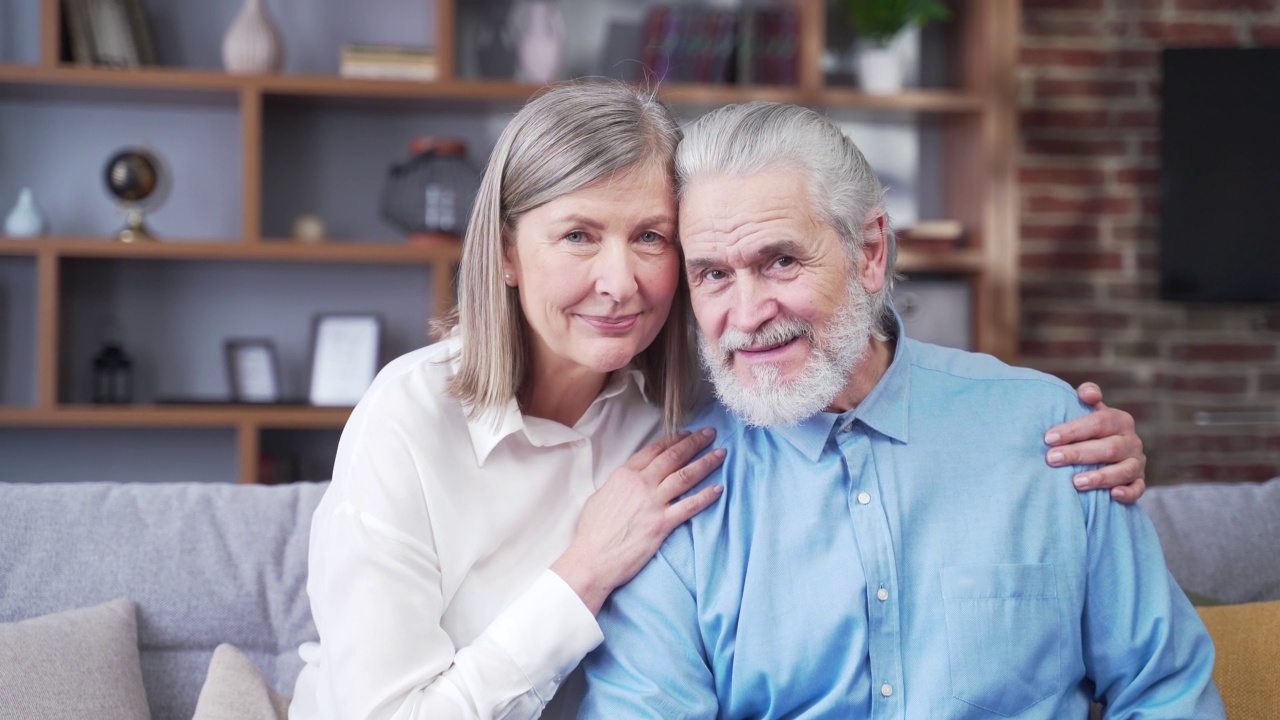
(1089, 167)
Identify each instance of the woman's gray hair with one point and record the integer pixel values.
(843, 190)
(562, 141)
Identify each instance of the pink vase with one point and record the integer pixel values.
(252, 43)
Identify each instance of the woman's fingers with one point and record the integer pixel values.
(684, 479)
(645, 455)
(675, 456)
(1122, 474)
(682, 510)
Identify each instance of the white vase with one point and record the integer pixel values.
(24, 220)
(541, 45)
(252, 43)
(880, 70)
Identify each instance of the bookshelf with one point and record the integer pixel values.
(972, 113)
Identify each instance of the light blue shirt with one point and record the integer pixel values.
(912, 558)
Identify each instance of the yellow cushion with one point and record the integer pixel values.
(1247, 638)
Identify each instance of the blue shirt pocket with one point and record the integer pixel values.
(1004, 635)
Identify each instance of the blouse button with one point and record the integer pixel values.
(864, 498)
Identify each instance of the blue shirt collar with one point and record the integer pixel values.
(884, 410)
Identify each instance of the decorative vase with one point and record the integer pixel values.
(252, 43)
(24, 220)
(880, 70)
(541, 43)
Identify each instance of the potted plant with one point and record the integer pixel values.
(878, 23)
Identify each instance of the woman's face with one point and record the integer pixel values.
(597, 270)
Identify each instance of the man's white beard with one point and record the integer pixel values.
(773, 400)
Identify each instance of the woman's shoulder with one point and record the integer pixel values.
(413, 388)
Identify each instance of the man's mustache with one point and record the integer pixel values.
(777, 332)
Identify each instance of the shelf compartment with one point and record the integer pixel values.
(18, 327)
(173, 317)
(270, 250)
(117, 454)
(163, 416)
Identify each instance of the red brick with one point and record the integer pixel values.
(1063, 57)
(1269, 382)
(1189, 33)
(1150, 205)
(1138, 176)
(1073, 261)
(1220, 384)
(1268, 35)
(1224, 352)
(1054, 26)
(1137, 59)
(1225, 5)
(1062, 348)
(1100, 205)
(1055, 289)
(1273, 321)
(1134, 233)
(1087, 319)
(1137, 119)
(1235, 473)
(1035, 5)
(1074, 147)
(1109, 380)
(1062, 176)
(1080, 232)
(1212, 443)
(1054, 87)
(1133, 291)
(1064, 119)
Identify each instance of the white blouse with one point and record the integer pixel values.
(429, 557)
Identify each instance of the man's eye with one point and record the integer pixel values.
(784, 261)
(714, 275)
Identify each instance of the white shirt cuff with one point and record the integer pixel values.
(547, 631)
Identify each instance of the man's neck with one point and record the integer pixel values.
(865, 375)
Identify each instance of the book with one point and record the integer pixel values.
(388, 62)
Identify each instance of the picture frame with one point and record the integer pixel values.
(110, 33)
(345, 349)
(253, 370)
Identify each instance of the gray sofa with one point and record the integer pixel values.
(210, 564)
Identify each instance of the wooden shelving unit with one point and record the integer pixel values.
(976, 115)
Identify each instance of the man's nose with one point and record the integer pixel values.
(754, 304)
(615, 272)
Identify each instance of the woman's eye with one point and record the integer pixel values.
(650, 237)
(576, 236)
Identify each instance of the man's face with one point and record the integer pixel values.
(783, 313)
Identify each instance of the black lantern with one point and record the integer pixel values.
(112, 376)
(431, 193)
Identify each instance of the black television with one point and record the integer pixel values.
(1220, 175)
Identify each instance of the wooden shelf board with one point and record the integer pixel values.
(967, 260)
(19, 247)
(185, 81)
(175, 416)
(229, 250)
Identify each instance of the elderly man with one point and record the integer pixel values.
(890, 543)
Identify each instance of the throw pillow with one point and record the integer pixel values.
(1247, 639)
(78, 663)
(235, 689)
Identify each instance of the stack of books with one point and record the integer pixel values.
(931, 235)
(754, 45)
(388, 62)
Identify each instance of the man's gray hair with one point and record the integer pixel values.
(843, 190)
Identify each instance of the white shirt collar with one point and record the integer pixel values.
(490, 428)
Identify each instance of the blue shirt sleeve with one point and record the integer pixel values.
(1145, 646)
(651, 664)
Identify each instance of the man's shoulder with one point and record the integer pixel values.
(979, 368)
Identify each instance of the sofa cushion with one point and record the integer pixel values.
(206, 564)
(236, 690)
(1247, 640)
(78, 663)
(1220, 540)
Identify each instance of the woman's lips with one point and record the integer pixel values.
(612, 324)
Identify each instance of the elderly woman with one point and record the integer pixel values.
(491, 490)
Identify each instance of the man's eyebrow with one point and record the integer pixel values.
(778, 247)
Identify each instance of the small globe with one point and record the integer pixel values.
(132, 175)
